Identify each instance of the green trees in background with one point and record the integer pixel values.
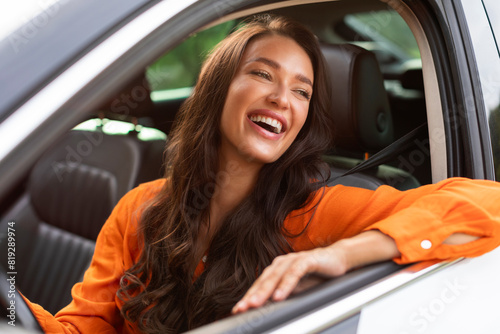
(179, 68)
(387, 26)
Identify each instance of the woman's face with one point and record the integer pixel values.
(267, 101)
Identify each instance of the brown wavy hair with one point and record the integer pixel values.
(158, 291)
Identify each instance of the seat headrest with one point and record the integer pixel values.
(76, 184)
(361, 110)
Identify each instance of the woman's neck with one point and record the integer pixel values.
(235, 181)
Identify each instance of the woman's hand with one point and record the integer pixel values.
(280, 279)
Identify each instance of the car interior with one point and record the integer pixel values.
(378, 95)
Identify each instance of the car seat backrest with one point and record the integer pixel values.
(76, 184)
(71, 191)
(362, 117)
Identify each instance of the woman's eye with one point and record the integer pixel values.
(304, 93)
(262, 74)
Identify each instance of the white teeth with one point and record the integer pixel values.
(268, 120)
(277, 129)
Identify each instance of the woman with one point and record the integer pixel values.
(244, 188)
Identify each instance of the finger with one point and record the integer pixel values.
(284, 274)
(265, 285)
(313, 261)
(296, 271)
(271, 283)
(262, 288)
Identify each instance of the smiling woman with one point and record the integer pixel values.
(267, 102)
(244, 212)
(238, 212)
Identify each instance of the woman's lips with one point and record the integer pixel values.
(268, 123)
(272, 119)
(263, 132)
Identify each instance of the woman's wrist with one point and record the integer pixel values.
(365, 248)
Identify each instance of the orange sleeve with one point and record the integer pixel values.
(94, 308)
(419, 220)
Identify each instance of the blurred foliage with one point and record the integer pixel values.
(180, 67)
(390, 25)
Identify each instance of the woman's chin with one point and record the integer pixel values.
(263, 158)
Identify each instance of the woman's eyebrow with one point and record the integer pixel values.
(277, 66)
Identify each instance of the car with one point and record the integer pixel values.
(90, 90)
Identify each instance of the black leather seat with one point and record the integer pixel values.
(71, 192)
(362, 117)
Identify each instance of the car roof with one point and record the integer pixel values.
(13, 15)
(51, 40)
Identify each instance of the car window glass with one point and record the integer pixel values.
(387, 35)
(488, 65)
(384, 32)
(494, 122)
(493, 11)
(115, 127)
(173, 75)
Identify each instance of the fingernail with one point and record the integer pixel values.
(241, 304)
(278, 294)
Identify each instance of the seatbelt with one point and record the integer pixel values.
(388, 153)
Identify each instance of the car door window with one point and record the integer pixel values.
(173, 75)
(493, 12)
(387, 30)
(487, 59)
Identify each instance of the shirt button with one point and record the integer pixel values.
(426, 244)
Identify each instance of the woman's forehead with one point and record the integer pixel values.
(280, 52)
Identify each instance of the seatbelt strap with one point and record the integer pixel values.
(388, 153)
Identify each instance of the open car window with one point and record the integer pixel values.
(174, 74)
(419, 80)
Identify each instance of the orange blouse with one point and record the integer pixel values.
(419, 220)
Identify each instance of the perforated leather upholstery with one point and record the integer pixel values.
(71, 191)
(58, 260)
(75, 189)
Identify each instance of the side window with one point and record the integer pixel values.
(170, 78)
(485, 39)
(494, 122)
(388, 36)
(385, 33)
(173, 75)
(492, 87)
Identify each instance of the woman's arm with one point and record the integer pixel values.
(280, 279)
(444, 221)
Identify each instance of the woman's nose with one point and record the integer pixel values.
(279, 97)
